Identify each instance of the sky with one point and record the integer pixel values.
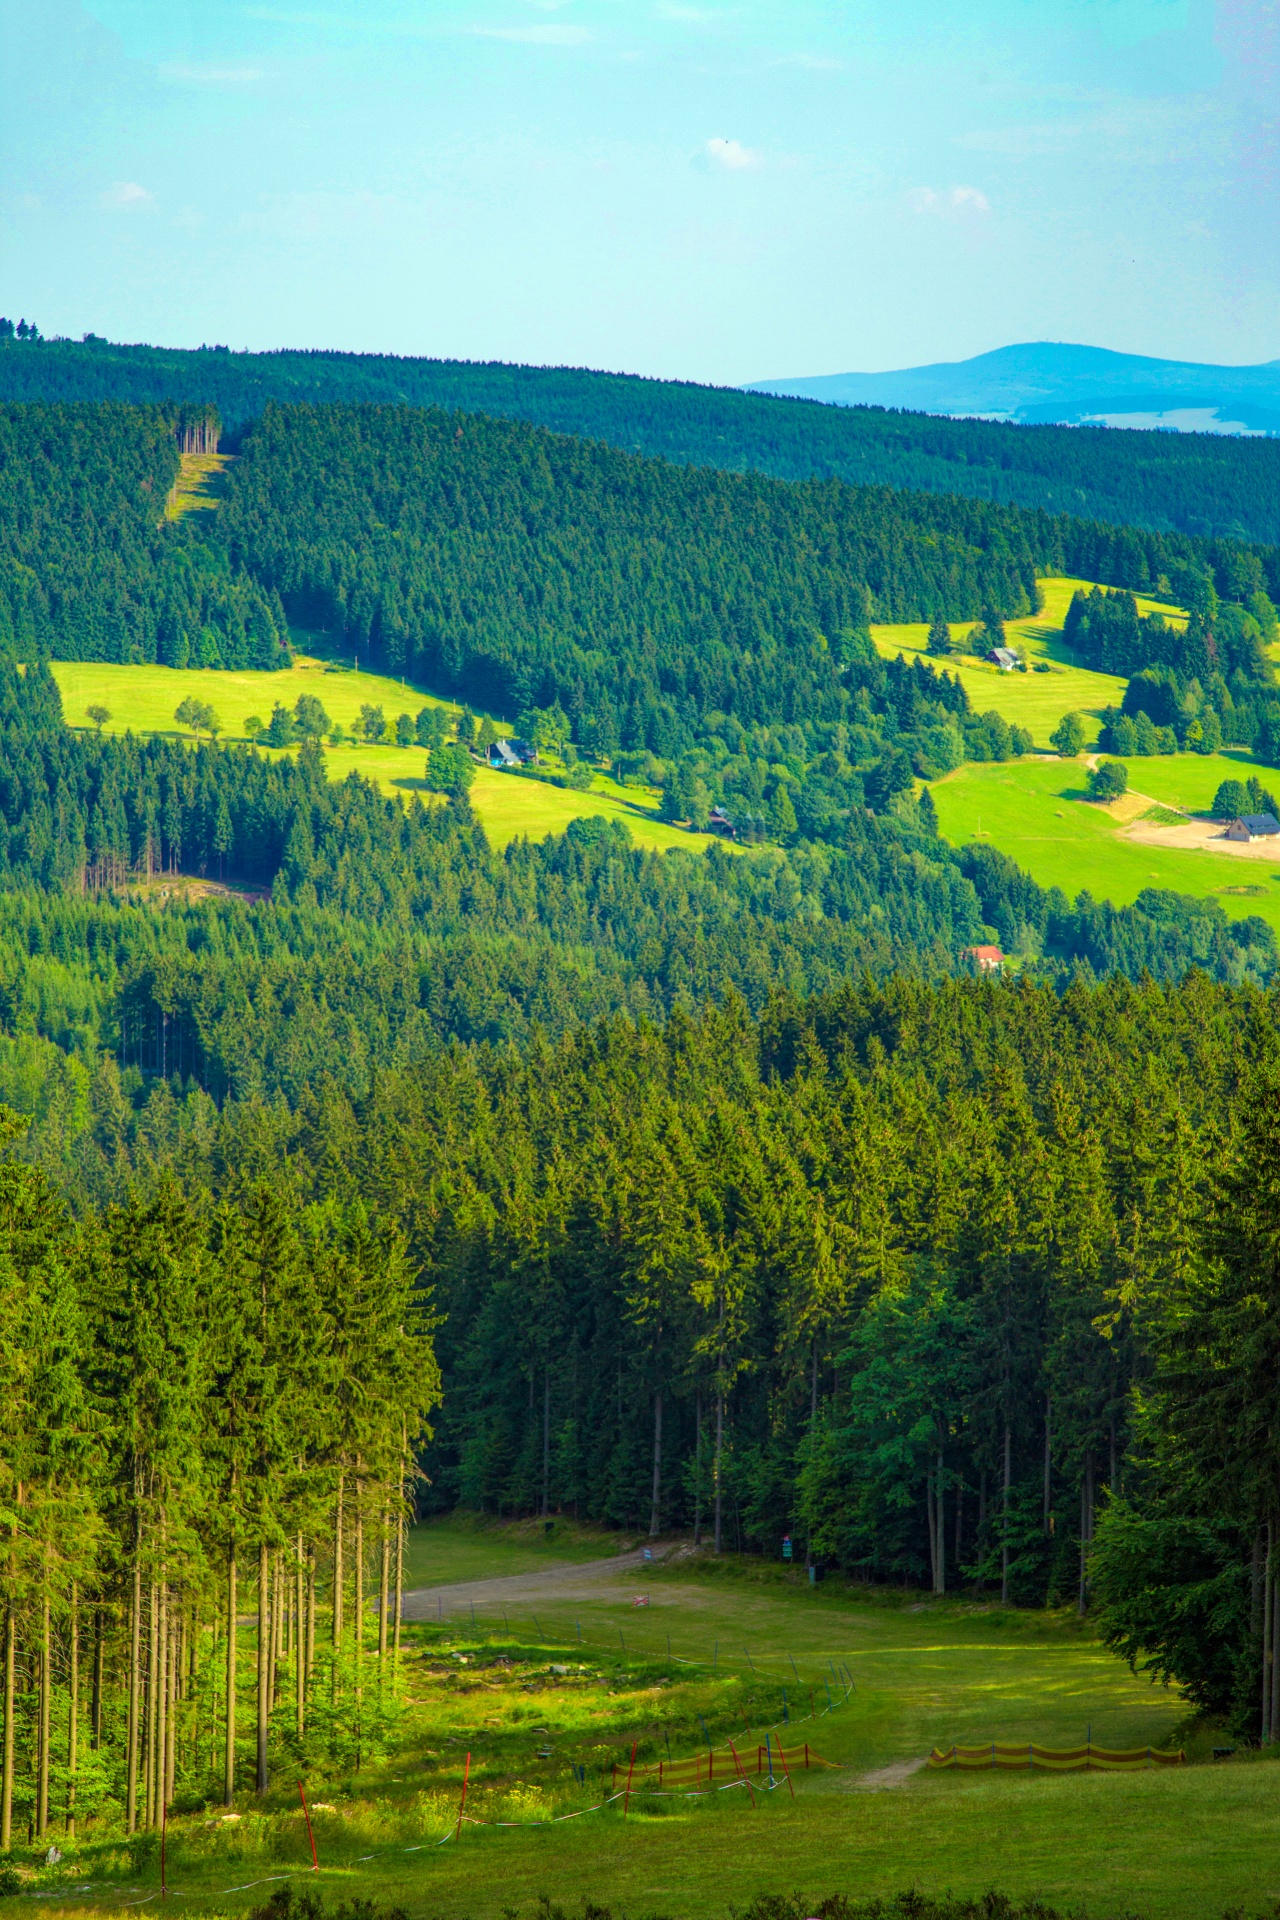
(714, 192)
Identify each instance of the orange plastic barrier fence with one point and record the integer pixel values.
(1086, 1759)
(711, 1768)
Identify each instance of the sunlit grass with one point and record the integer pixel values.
(1037, 812)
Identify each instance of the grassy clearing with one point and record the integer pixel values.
(198, 488)
(1183, 1843)
(1036, 811)
(143, 699)
(474, 1547)
(1033, 700)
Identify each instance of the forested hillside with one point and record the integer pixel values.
(89, 569)
(391, 930)
(1198, 483)
(521, 568)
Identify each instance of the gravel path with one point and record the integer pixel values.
(563, 1580)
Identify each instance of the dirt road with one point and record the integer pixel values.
(562, 1580)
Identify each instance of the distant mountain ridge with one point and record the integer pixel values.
(1047, 383)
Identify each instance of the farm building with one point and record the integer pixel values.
(1253, 826)
(512, 753)
(1004, 658)
(989, 959)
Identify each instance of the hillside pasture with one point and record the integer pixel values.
(1037, 811)
(1036, 701)
(143, 699)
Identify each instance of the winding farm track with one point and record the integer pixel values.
(560, 1580)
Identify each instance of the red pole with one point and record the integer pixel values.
(782, 1755)
(306, 1814)
(806, 1756)
(626, 1798)
(741, 1775)
(466, 1775)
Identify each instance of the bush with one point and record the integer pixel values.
(1231, 800)
(1109, 781)
(1068, 736)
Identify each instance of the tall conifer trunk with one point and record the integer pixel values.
(95, 1708)
(264, 1662)
(1048, 1461)
(135, 1677)
(1004, 1515)
(6, 1782)
(337, 1569)
(546, 1441)
(299, 1660)
(160, 1686)
(384, 1595)
(655, 1509)
(697, 1467)
(46, 1680)
(940, 1557)
(719, 1451)
(229, 1756)
(73, 1707)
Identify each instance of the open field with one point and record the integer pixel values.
(1033, 700)
(1036, 811)
(532, 1703)
(144, 698)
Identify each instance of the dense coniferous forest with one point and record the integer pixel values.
(89, 569)
(1204, 484)
(727, 1195)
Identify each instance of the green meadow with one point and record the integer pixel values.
(144, 699)
(1036, 701)
(1037, 812)
(546, 1692)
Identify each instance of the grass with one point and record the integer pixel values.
(144, 698)
(472, 1547)
(198, 488)
(1036, 701)
(1172, 1844)
(1036, 811)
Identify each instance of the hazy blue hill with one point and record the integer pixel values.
(1042, 381)
(1204, 484)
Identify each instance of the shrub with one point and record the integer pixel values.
(1109, 781)
(1231, 800)
(1067, 737)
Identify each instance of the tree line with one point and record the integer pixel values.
(959, 1284)
(211, 1403)
(1202, 484)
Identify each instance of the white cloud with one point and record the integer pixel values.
(125, 193)
(953, 200)
(730, 156)
(548, 36)
(184, 76)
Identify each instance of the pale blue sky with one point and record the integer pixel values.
(722, 192)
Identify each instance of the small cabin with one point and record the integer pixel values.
(512, 753)
(989, 959)
(719, 822)
(1004, 658)
(1253, 826)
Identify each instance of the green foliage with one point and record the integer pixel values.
(1109, 780)
(1197, 483)
(89, 567)
(1231, 800)
(1068, 737)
